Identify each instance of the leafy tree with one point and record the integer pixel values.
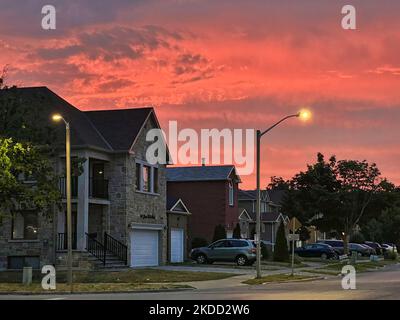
(334, 195)
(278, 183)
(219, 233)
(27, 179)
(237, 234)
(357, 237)
(281, 251)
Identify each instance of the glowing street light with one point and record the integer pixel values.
(303, 115)
(58, 118)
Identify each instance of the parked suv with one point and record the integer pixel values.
(243, 252)
(378, 248)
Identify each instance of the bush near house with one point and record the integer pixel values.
(199, 242)
(219, 233)
(281, 252)
(237, 233)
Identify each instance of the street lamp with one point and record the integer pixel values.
(303, 115)
(57, 118)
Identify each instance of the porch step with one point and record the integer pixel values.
(112, 262)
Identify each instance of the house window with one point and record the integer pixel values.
(230, 193)
(146, 178)
(25, 225)
(19, 262)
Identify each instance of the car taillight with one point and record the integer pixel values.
(253, 250)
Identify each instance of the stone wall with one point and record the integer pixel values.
(43, 247)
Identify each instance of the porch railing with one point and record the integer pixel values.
(109, 245)
(62, 241)
(116, 247)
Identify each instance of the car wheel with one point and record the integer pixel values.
(324, 256)
(201, 259)
(241, 261)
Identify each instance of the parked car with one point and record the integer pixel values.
(389, 247)
(360, 249)
(378, 248)
(337, 245)
(371, 251)
(241, 251)
(320, 250)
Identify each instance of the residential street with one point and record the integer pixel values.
(383, 284)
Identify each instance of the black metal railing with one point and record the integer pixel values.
(62, 241)
(96, 248)
(98, 188)
(116, 247)
(63, 186)
(109, 245)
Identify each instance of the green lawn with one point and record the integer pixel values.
(87, 287)
(103, 281)
(278, 278)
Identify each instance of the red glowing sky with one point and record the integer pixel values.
(226, 64)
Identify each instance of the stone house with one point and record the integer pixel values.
(118, 199)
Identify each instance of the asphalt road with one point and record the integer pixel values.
(378, 285)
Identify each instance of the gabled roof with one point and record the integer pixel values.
(175, 205)
(108, 130)
(268, 216)
(120, 127)
(200, 173)
(244, 215)
(251, 195)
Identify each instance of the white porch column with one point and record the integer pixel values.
(83, 206)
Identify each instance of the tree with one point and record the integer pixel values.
(219, 233)
(27, 179)
(237, 234)
(278, 183)
(334, 195)
(281, 251)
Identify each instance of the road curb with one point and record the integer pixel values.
(22, 293)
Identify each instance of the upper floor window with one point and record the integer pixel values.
(231, 194)
(25, 225)
(146, 178)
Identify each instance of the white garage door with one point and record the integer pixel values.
(177, 245)
(144, 248)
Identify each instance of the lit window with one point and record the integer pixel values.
(230, 193)
(25, 225)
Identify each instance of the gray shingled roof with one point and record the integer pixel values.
(119, 127)
(111, 130)
(277, 196)
(265, 216)
(199, 173)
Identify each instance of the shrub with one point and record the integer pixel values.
(199, 242)
(219, 233)
(237, 234)
(281, 252)
(391, 255)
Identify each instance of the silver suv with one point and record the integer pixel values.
(241, 251)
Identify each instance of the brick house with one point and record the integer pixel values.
(271, 217)
(210, 192)
(118, 200)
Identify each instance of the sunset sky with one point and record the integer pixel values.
(225, 64)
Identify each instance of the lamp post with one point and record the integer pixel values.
(57, 118)
(304, 115)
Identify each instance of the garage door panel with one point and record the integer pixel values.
(144, 248)
(177, 245)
